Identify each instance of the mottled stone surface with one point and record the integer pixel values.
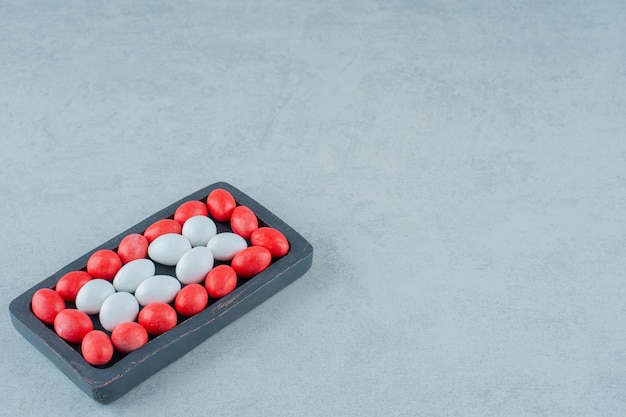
(458, 166)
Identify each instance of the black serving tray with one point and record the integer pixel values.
(124, 372)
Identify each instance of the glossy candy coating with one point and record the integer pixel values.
(189, 209)
(97, 348)
(226, 245)
(70, 283)
(194, 265)
(118, 308)
(133, 246)
(221, 204)
(251, 261)
(191, 243)
(72, 325)
(199, 229)
(46, 304)
(160, 228)
(91, 295)
(220, 281)
(157, 289)
(129, 336)
(167, 249)
(243, 221)
(104, 264)
(191, 300)
(132, 274)
(271, 239)
(157, 318)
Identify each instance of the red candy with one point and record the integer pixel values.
(221, 204)
(72, 325)
(220, 281)
(190, 209)
(46, 304)
(162, 227)
(104, 264)
(70, 283)
(129, 336)
(243, 221)
(251, 261)
(271, 239)
(133, 246)
(191, 300)
(157, 318)
(97, 348)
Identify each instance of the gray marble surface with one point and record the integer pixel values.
(458, 166)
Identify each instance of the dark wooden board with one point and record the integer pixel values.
(124, 372)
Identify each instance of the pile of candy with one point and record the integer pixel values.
(120, 290)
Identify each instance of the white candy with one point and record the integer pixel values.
(225, 246)
(132, 274)
(194, 265)
(167, 249)
(157, 289)
(199, 229)
(118, 308)
(91, 295)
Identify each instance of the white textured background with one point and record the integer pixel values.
(459, 167)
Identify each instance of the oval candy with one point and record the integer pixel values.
(157, 289)
(129, 336)
(191, 300)
(157, 318)
(199, 229)
(70, 283)
(118, 308)
(160, 228)
(91, 295)
(46, 304)
(132, 274)
(194, 265)
(243, 221)
(189, 209)
(97, 348)
(72, 325)
(167, 249)
(133, 246)
(104, 264)
(226, 245)
(251, 261)
(271, 239)
(221, 204)
(220, 281)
